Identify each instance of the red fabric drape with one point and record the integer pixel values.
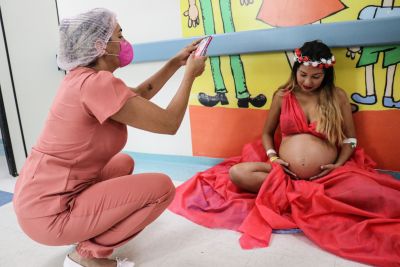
(353, 212)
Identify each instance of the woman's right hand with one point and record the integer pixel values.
(285, 166)
(182, 56)
(195, 65)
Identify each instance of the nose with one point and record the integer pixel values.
(307, 82)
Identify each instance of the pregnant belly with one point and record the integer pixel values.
(306, 153)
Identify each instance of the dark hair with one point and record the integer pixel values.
(315, 50)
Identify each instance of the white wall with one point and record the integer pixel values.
(145, 21)
(31, 31)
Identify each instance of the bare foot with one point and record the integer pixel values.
(91, 262)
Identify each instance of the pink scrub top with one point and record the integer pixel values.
(77, 141)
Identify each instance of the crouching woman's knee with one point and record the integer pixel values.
(166, 188)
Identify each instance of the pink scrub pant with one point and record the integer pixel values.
(107, 214)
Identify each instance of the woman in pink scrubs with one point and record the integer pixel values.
(76, 187)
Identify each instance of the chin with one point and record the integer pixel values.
(309, 90)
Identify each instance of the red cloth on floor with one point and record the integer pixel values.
(353, 212)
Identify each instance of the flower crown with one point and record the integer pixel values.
(306, 61)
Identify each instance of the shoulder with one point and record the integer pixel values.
(281, 93)
(102, 75)
(278, 97)
(103, 79)
(342, 95)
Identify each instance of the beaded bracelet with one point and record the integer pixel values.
(273, 158)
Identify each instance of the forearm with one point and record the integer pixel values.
(152, 85)
(179, 102)
(345, 153)
(268, 142)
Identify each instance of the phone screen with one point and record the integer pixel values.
(202, 48)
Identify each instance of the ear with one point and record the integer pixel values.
(100, 47)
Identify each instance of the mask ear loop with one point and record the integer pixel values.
(108, 54)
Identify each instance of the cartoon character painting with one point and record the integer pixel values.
(212, 128)
(278, 13)
(244, 98)
(370, 55)
(296, 13)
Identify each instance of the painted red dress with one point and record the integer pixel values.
(282, 13)
(353, 212)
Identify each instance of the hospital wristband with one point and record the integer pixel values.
(351, 141)
(271, 151)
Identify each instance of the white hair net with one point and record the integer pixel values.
(83, 38)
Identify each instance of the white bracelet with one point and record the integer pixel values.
(351, 141)
(271, 151)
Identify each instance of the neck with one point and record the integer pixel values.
(101, 64)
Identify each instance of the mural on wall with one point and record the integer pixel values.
(279, 13)
(369, 58)
(222, 130)
(208, 22)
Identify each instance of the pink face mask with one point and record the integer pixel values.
(125, 55)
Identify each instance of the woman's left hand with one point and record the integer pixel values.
(184, 54)
(325, 170)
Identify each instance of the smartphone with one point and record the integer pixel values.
(202, 47)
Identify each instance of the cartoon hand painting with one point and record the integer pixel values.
(246, 2)
(193, 14)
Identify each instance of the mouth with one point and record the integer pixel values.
(307, 87)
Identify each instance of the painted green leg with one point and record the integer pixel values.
(242, 93)
(215, 62)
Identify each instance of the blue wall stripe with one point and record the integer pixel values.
(5, 197)
(181, 168)
(175, 158)
(382, 31)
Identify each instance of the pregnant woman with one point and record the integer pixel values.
(315, 121)
(313, 176)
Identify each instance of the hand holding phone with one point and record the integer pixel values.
(201, 49)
